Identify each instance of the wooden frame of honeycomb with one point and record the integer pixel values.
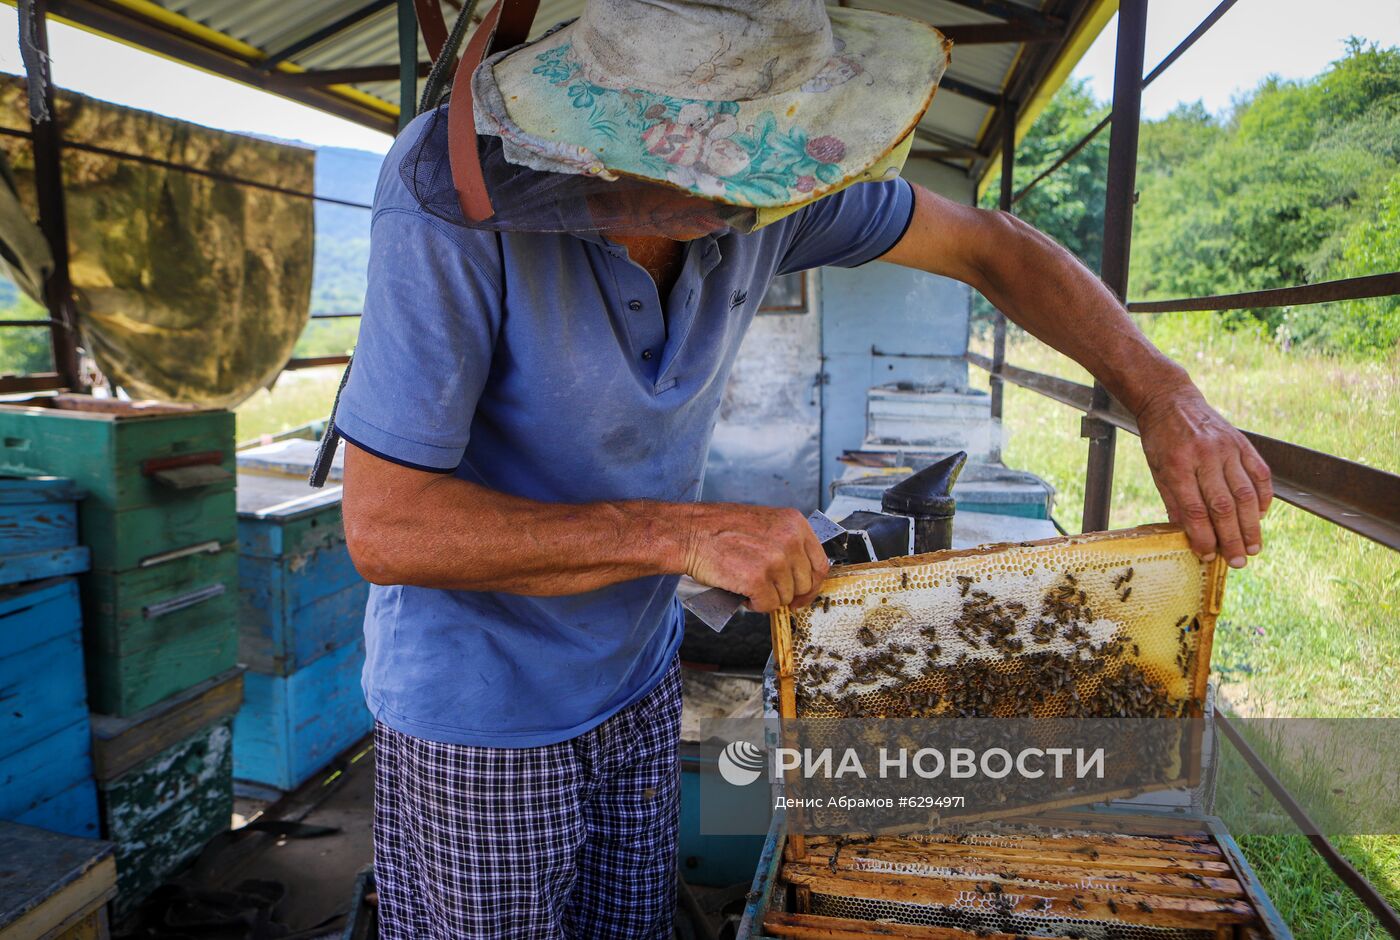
(1098, 625)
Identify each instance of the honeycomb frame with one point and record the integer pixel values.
(1156, 603)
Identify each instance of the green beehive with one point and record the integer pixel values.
(160, 601)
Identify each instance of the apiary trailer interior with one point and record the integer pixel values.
(360, 61)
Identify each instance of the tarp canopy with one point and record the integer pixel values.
(189, 289)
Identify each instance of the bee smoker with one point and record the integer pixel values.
(927, 498)
(916, 517)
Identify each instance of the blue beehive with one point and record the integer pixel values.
(45, 742)
(39, 529)
(301, 615)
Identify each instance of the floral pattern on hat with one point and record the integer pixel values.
(699, 145)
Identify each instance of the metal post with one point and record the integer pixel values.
(1117, 239)
(48, 184)
(408, 62)
(1008, 169)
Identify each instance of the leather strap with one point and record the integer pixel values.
(507, 24)
(433, 25)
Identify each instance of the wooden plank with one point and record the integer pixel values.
(1013, 882)
(49, 766)
(49, 563)
(72, 812)
(129, 538)
(1158, 911)
(1011, 855)
(815, 927)
(32, 614)
(300, 596)
(1092, 846)
(138, 655)
(162, 812)
(276, 640)
(1101, 879)
(42, 690)
(291, 727)
(38, 514)
(62, 881)
(119, 744)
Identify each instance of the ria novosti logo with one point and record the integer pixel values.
(741, 763)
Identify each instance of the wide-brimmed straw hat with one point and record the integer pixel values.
(762, 103)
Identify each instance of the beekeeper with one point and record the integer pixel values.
(559, 282)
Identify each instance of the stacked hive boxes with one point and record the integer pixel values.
(301, 610)
(158, 611)
(45, 760)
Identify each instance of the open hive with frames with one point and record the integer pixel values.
(1099, 626)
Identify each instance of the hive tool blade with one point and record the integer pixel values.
(716, 607)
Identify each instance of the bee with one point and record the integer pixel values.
(1144, 907)
(866, 637)
(1128, 592)
(1075, 903)
(826, 605)
(904, 579)
(1111, 906)
(964, 583)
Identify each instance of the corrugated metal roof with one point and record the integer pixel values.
(269, 27)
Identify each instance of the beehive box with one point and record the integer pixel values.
(45, 765)
(158, 477)
(291, 727)
(1097, 875)
(161, 812)
(39, 529)
(1101, 625)
(300, 597)
(61, 890)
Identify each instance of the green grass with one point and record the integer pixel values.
(1312, 627)
(297, 398)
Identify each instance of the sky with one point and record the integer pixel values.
(1291, 38)
(1255, 38)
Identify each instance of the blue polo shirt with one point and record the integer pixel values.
(547, 366)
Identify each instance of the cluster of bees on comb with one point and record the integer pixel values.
(1064, 652)
(1050, 662)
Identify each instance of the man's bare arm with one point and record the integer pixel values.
(1211, 479)
(406, 526)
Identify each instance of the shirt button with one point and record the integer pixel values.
(634, 305)
(646, 354)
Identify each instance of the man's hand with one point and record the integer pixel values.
(771, 556)
(1213, 482)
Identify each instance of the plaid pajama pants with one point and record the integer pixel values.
(569, 840)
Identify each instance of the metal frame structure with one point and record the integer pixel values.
(1347, 494)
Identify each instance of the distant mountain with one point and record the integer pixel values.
(342, 232)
